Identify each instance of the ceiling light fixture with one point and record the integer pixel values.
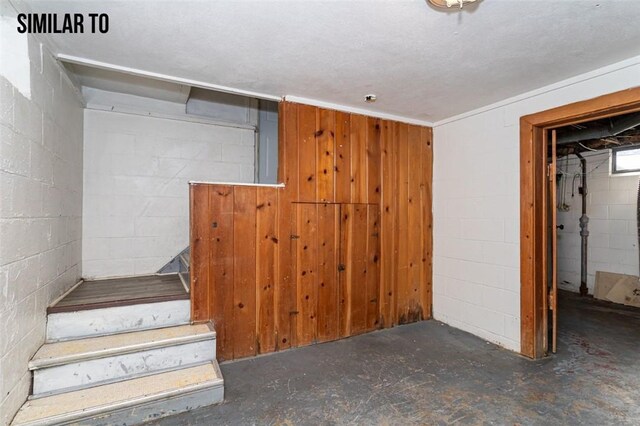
(370, 98)
(451, 3)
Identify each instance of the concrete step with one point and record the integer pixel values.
(77, 364)
(118, 319)
(128, 402)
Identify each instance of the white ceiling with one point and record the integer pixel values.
(422, 63)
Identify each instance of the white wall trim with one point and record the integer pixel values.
(134, 71)
(63, 295)
(545, 89)
(362, 111)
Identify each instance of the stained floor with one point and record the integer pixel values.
(430, 373)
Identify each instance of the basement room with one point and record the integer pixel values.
(406, 212)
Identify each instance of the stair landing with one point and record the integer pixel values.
(121, 292)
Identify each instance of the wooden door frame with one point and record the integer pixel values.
(533, 195)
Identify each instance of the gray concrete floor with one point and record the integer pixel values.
(430, 373)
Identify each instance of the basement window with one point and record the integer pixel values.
(625, 160)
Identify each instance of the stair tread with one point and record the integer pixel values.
(96, 294)
(102, 399)
(97, 347)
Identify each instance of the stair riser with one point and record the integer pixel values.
(121, 319)
(140, 412)
(84, 374)
(164, 408)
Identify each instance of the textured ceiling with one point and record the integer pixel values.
(421, 62)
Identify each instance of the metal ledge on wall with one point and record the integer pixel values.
(265, 185)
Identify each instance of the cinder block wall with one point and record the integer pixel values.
(611, 207)
(476, 204)
(40, 208)
(137, 169)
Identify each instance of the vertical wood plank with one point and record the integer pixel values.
(244, 271)
(358, 142)
(380, 172)
(403, 290)
(343, 157)
(307, 125)
(373, 266)
(359, 264)
(373, 160)
(541, 247)
(285, 294)
(199, 241)
(426, 197)
(397, 137)
(328, 242)
(325, 155)
(266, 267)
(387, 228)
(533, 155)
(415, 245)
(345, 273)
(527, 246)
(306, 272)
(553, 303)
(221, 255)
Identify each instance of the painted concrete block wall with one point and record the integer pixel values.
(611, 207)
(136, 171)
(40, 210)
(476, 204)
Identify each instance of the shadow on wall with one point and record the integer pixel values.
(14, 64)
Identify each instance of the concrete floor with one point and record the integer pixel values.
(429, 373)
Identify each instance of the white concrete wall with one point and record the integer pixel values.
(611, 207)
(40, 209)
(476, 204)
(136, 171)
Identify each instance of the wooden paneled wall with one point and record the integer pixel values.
(343, 248)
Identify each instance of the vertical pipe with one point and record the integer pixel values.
(584, 227)
(638, 223)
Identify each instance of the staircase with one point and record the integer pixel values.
(179, 265)
(122, 364)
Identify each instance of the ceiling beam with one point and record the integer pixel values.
(598, 144)
(601, 129)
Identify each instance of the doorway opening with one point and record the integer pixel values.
(593, 213)
(536, 218)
